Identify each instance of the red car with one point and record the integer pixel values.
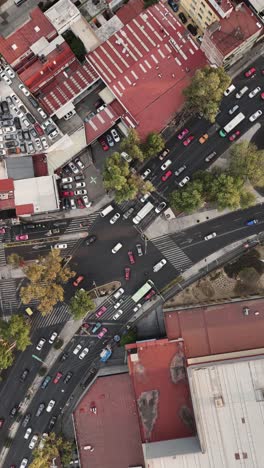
(166, 176)
(131, 257)
(2, 422)
(234, 135)
(78, 280)
(188, 140)
(262, 95)
(103, 144)
(183, 133)
(127, 273)
(101, 311)
(150, 294)
(102, 333)
(67, 193)
(57, 378)
(22, 237)
(80, 203)
(2, 230)
(39, 129)
(250, 72)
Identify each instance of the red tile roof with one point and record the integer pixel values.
(129, 11)
(40, 165)
(24, 209)
(157, 370)
(7, 189)
(113, 431)
(19, 42)
(146, 64)
(217, 329)
(100, 123)
(6, 185)
(234, 30)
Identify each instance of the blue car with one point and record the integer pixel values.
(173, 5)
(251, 222)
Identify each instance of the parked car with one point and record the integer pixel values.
(254, 92)
(40, 344)
(24, 89)
(68, 377)
(210, 156)
(188, 140)
(39, 129)
(77, 349)
(79, 163)
(80, 192)
(69, 114)
(146, 174)
(255, 116)
(40, 409)
(30, 118)
(44, 143)
(127, 273)
(114, 219)
(163, 155)
(84, 352)
(160, 207)
(234, 135)
(57, 377)
(166, 176)
(250, 73)
(109, 139)
(90, 239)
(102, 332)
(80, 184)
(126, 156)
(6, 78)
(66, 180)
(86, 201)
(180, 170)
(53, 337)
(183, 18)
(150, 294)
(103, 144)
(139, 250)
(74, 168)
(101, 311)
(22, 237)
(96, 327)
(115, 135)
(78, 280)
(42, 113)
(117, 314)
(50, 406)
(46, 382)
(184, 181)
(166, 164)
(10, 72)
(131, 257)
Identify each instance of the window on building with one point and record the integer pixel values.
(200, 16)
(203, 4)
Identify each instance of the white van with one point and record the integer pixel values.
(117, 247)
(241, 92)
(106, 211)
(159, 265)
(229, 90)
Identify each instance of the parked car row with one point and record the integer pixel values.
(73, 186)
(109, 139)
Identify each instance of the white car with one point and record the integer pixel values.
(84, 352)
(86, 201)
(9, 72)
(255, 116)
(24, 463)
(159, 265)
(50, 406)
(77, 349)
(6, 79)
(145, 197)
(40, 344)
(74, 168)
(53, 134)
(114, 219)
(30, 147)
(117, 247)
(117, 314)
(9, 129)
(24, 89)
(184, 181)
(160, 207)
(27, 433)
(38, 143)
(80, 184)
(26, 122)
(15, 99)
(118, 293)
(137, 307)
(44, 143)
(42, 113)
(210, 236)
(33, 442)
(115, 135)
(18, 112)
(126, 156)
(254, 92)
(180, 170)
(233, 109)
(166, 164)
(66, 180)
(145, 174)
(118, 304)
(80, 192)
(53, 337)
(43, 440)
(60, 246)
(79, 163)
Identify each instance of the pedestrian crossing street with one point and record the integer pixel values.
(81, 224)
(2, 255)
(60, 314)
(172, 252)
(8, 297)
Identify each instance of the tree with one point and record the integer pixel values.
(75, 44)
(16, 331)
(249, 275)
(6, 356)
(45, 281)
(129, 337)
(131, 145)
(188, 199)
(247, 161)
(54, 446)
(154, 144)
(226, 191)
(81, 304)
(206, 90)
(247, 199)
(15, 260)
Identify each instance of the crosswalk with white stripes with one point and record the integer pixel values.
(60, 314)
(172, 252)
(8, 296)
(2, 256)
(81, 224)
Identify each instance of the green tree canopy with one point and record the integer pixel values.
(131, 145)
(45, 280)
(54, 446)
(14, 259)
(226, 191)
(81, 304)
(6, 356)
(247, 161)
(154, 144)
(189, 199)
(206, 90)
(16, 331)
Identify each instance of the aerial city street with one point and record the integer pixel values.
(131, 233)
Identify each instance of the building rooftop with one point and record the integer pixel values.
(228, 401)
(7, 201)
(222, 7)
(41, 192)
(221, 328)
(20, 167)
(130, 10)
(234, 30)
(157, 370)
(147, 64)
(62, 14)
(19, 42)
(113, 430)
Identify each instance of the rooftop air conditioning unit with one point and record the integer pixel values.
(219, 402)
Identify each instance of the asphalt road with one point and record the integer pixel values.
(99, 265)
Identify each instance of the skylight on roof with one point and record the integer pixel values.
(37, 28)
(14, 46)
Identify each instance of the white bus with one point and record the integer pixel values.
(232, 124)
(143, 212)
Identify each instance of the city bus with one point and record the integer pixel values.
(143, 212)
(232, 124)
(142, 291)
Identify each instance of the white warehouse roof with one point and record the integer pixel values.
(228, 402)
(42, 192)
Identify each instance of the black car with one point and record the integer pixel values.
(14, 411)
(40, 409)
(33, 133)
(91, 239)
(24, 375)
(68, 377)
(6, 123)
(173, 5)
(5, 106)
(52, 422)
(192, 29)
(33, 102)
(26, 420)
(8, 137)
(26, 135)
(10, 144)
(23, 109)
(17, 123)
(64, 357)
(67, 203)
(79, 177)
(183, 18)
(23, 148)
(30, 118)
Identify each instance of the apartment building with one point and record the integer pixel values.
(206, 12)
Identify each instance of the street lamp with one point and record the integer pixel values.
(96, 293)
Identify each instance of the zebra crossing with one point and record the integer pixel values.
(60, 314)
(2, 256)
(8, 296)
(81, 224)
(172, 252)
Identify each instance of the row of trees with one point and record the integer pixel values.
(226, 189)
(55, 446)
(14, 334)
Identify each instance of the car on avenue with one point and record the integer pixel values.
(188, 140)
(131, 257)
(102, 332)
(78, 280)
(114, 219)
(50, 406)
(84, 352)
(57, 377)
(250, 73)
(117, 314)
(166, 176)
(234, 135)
(210, 236)
(40, 344)
(101, 311)
(127, 273)
(22, 237)
(53, 337)
(251, 222)
(182, 134)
